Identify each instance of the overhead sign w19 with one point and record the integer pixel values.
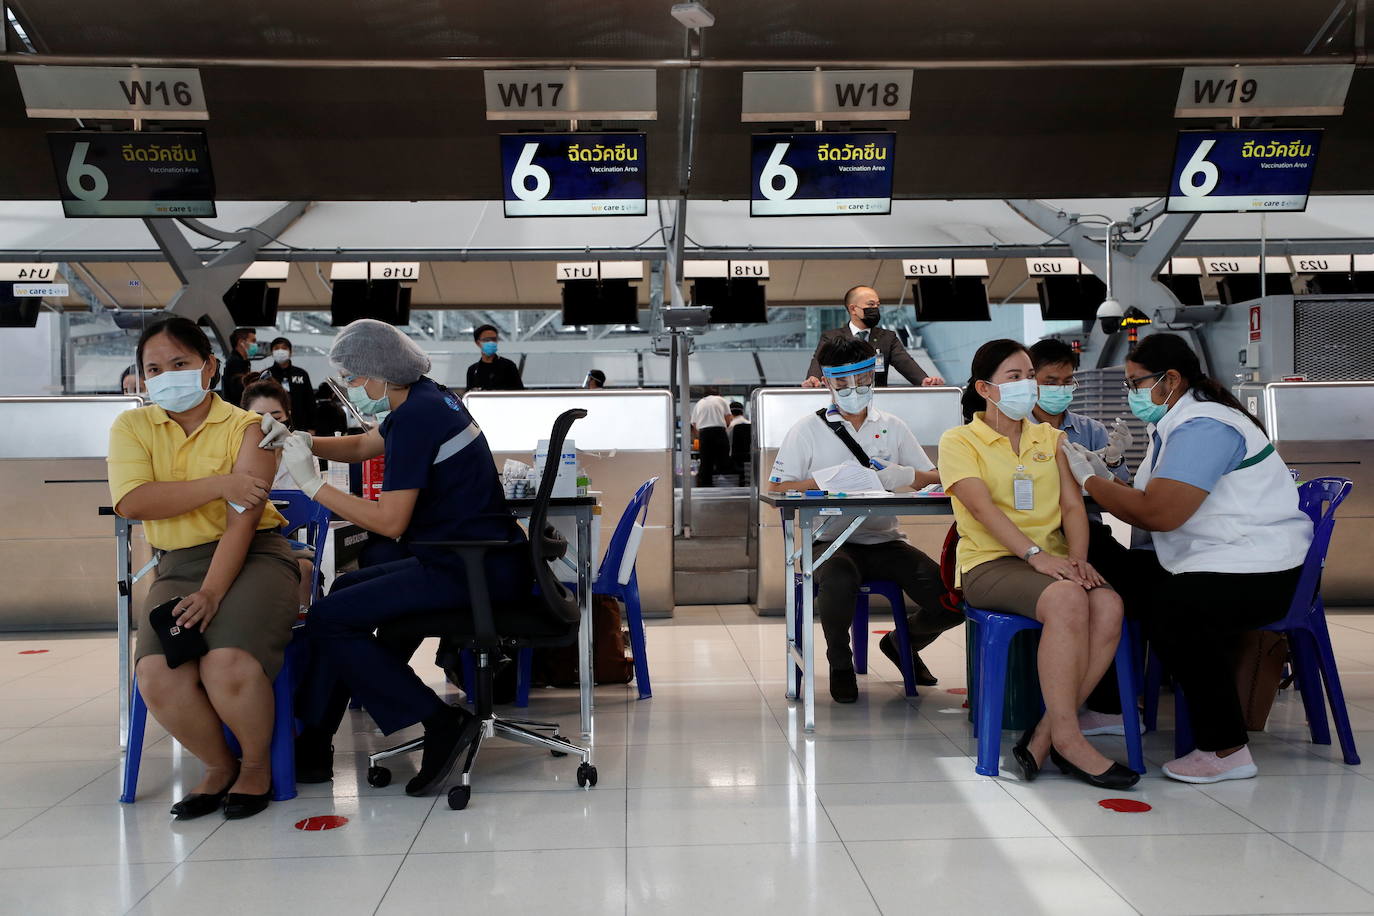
(574, 174)
(822, 174)
(1238, 171)
(132, 173)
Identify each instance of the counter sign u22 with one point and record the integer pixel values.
(822, 174)
(574, 174)
(1237, 171)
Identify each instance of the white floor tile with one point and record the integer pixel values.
(26, 784)
(503, 821)
(862, 760)
(981, 876)
(750, 814)
(1350, 854)
(706, 764)
(106, 834)
(376, 827)
(337, 886)
(27, 713)
(50, 743)
(651, 725)
(562, 881)
(795, 879)
(1255, 873)
(85, 890)
(925, 810)
(1069, 807)
(1300, 803)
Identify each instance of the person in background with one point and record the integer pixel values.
(1229, 539)
(713, 445)
(741, 435)
(130, 382)
(595, 379)
(862, 303)
(295, 381)
(492, 372)
(877, 550)
(189, 467)
(243, 346)
(1023, 549)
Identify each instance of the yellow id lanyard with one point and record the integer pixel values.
(1023, 490)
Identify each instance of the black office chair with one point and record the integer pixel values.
(549, 617)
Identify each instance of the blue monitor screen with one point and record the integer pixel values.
(574, 174)
(822, 174)
(1237, 171)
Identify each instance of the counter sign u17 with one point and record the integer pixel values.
(1243, 170)
(822, 174)
(574, 174)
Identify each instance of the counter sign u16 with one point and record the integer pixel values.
(574, 174)
(822, 174)
(1242, 170)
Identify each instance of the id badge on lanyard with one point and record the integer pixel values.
(1023, 490)
(879, 364)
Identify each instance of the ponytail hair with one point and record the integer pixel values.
(1161, 352)
(985, 362)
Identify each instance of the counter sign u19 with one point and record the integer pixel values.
(822, 174)
(1238, 171)
(574, 174)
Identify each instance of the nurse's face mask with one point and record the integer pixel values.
(359, 397)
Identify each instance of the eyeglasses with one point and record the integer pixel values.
(1131, 384)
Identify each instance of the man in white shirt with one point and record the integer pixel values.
(877, 549)
(708, 427)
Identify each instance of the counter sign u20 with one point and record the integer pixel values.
(1237, 171)
(822, 174)
(574, 174)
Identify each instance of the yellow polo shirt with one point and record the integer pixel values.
(977, 450)
(148, 446)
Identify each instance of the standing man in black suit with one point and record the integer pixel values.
(862, 304)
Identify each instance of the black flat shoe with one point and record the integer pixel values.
(844, 685)
(199, 804)
(1020, 752)
(237, 805)
(921, 675)
(1116, 776)
(445, 740)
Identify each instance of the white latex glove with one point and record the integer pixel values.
(1084, 464)
(302, 466)
(895, 476)
(1119, 438)
(275, 433)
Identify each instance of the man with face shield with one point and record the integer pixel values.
(861, 302)
(877, 550)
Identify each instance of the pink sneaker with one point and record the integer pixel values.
(1099, 723)
(1205, 766)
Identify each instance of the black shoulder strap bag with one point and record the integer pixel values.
(838, 429)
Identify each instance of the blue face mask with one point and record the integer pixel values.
(257, 351)
(1146, 410)
(1018, 398)
(854, 400)
(488, 348)
(176, 392)
(368, 406)
(1055, 399)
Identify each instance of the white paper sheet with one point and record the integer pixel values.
(848, 478)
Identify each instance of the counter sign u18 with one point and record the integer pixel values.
(574, 174)
(1238, 171)
(822, 174)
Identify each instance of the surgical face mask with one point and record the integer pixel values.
(281, 356)
(1018, 398)
(854, 400)
(176, 392)
(488, 348)
(368, 406)
(256, 351)
(1146, 410)
(872, 317)
(1055, 399)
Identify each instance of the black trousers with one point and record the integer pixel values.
(713, 455)
(837, 588)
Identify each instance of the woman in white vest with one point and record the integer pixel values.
(1228, 533)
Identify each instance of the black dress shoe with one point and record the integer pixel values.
(314, 760)
(199, 804)
(238, 805)
(1024, 758)
(844, 685)
(921, 675)
(1116, 776)
(447, 735)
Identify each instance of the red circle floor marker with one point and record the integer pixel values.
(957, 691)
(322, 822)
(1124, 805)
(33, 651)
(882, 632)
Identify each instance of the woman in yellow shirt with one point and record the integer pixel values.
(190, 469)
(1023, 549)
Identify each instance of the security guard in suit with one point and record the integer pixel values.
(862, 304)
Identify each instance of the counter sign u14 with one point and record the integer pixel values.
(1243, 170)
(574, 174)
(822, 174)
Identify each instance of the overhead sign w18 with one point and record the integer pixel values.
(1238, 171)
(132, 173)
(822, 174)
(574, 174)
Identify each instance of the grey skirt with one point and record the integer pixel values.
(258, 611)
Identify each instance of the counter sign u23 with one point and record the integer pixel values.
(822, 174)
(574, 174)
(1237, 171)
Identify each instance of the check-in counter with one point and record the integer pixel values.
(57, 554)
(625, 439)
(1326, 429)
(927, 411)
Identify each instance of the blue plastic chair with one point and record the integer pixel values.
(1309, 640)
(300, 512)
(859, 629)
(995, 633)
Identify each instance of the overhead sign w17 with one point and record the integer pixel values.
(1239, 171)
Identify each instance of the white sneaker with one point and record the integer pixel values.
(1098, 723)
(1204, 766)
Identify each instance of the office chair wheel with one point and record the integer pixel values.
(586, 776)
(558, 737)
(378, 777)
(458, 797)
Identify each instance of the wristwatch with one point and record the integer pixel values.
(1118, 464)
(1031, 552)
